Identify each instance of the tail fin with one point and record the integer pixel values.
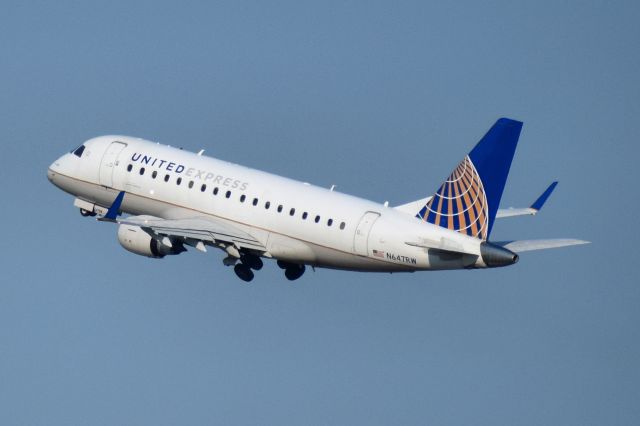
(468, 200)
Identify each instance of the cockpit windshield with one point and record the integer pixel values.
(78, 151)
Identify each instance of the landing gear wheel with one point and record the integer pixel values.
(252, 261)
(243, 272)
(294, 272)
(86, 213)
(284, 265)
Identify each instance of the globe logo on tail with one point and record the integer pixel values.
(460, 204)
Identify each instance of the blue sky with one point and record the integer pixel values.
(381, 99)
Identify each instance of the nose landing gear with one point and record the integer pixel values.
(87, 213)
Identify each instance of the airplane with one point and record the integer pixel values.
(177, 199)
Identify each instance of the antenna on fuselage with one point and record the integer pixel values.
(200, 152)
(332, 187)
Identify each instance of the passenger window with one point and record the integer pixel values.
(304, 216)
(330, 222)
(141, 171)
(190, 184)
(154, 174)
(178, 181)
(292, 212)
(317, 219)
(215, 191)
(242, 198)
(129, 167)
(267, 205)
(166, 178)
(255, 201)
(203, 188)
(280, 208)
(342, 225)
(228, 194)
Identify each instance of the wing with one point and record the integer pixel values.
(535, 207)
(203, 229)
(194, 231)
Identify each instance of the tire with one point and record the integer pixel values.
(243, 272)
(293, 273)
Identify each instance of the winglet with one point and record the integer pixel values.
(114, 210)
(537, 205)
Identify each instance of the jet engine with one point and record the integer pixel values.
(137, 241)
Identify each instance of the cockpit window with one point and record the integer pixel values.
(78, 151)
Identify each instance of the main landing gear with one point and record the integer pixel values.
(245, 266)
(243, 272)
(292, 271)
(248, 263)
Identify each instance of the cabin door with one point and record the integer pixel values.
(361, 238)
(109, 163)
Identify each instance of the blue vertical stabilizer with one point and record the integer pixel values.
(468, 200)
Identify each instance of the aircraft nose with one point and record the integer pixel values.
(53, 169)
(50, 174)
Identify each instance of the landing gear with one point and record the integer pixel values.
(229, 261)
(87, 213)
(243, 272)
(294, 272)
(252, 261)
(246, 263)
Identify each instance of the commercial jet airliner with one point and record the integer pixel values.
(177, 199)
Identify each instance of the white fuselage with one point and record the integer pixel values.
(295, 221)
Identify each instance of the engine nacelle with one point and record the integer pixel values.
(135, 240)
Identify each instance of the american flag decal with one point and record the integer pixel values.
(378, 253)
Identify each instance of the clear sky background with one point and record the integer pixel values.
(382, 99)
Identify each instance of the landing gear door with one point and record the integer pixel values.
(109, 163)
(361, 237)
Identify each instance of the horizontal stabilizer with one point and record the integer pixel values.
(529, 245)
(535, 207)
(511, 212)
